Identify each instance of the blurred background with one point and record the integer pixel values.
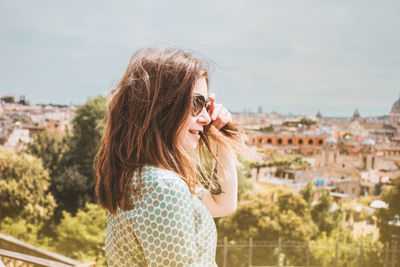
(313, 84)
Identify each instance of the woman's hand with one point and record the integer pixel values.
(219, 115)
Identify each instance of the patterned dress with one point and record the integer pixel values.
(168, 226)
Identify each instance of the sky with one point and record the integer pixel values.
(285, 56)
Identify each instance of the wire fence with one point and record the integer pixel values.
(275, 253)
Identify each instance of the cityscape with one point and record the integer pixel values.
(355, 160)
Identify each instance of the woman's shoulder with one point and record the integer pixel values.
(152, 177)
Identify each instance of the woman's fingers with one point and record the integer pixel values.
(211, 96)
(223, 117)
(219, 115)
(217, 110)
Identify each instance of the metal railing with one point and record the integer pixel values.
(11, 258)
(14, 252)
(284, 254)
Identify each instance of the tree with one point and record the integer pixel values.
(283, 163)
(322, 215)
(308, 193)
(269, 216)
(86, 133)
(24, 187)
(307, 122)
(277, 215)
(392, 197)
(244, 185)
(268, 129)
(73, 181)
(323, 249)
(257, 165)
(26, 231)
(82, 236)
(72, 191)
(49, 147)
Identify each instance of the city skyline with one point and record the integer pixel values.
(300, 57)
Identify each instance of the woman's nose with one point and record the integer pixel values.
(204, 117)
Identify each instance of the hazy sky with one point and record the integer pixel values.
(285, 56)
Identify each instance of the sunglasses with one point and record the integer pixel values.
(198, 103)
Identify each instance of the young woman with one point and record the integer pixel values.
(166, 164)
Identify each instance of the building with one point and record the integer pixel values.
(289, 143)
(394, 116)
(356, 115)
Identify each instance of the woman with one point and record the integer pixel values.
(161, 130)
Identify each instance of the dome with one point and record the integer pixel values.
(396, 107)
(356, 115)
(369, 142)
(331, 140)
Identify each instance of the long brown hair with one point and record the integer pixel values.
(145, 113)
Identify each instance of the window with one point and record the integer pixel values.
(300, 141)
(310, 142)
(290, 141)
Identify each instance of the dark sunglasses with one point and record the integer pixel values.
(198, 103)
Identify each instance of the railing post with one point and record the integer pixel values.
(361, 254)
(394, 248)
(279, 252)
(308, 254)
(336, 253)
(386, 254)
(225, 250)
(250, 251)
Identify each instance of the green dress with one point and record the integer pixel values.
(168, 226)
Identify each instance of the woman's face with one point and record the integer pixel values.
(189, 135)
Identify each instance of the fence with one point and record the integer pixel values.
(14, 252)
(272, 253)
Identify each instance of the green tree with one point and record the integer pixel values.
(82, 236)
(308, 193)
(277, 215)
(26, 231)
(322, 215)
(267, 129)
(283, 163)
(307, 122)
(392, 197)
(269, 216)
(72, 191)
(73, 181)
(49, 147)
(24, 187)
(349, 252)
(287, 161)
(244, 185)
(86, 133)
(257, 165)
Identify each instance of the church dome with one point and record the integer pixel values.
(396, 107)
(331, 140)
(356, 115)
(369, 142)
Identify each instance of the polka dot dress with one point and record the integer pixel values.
(168, 226)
